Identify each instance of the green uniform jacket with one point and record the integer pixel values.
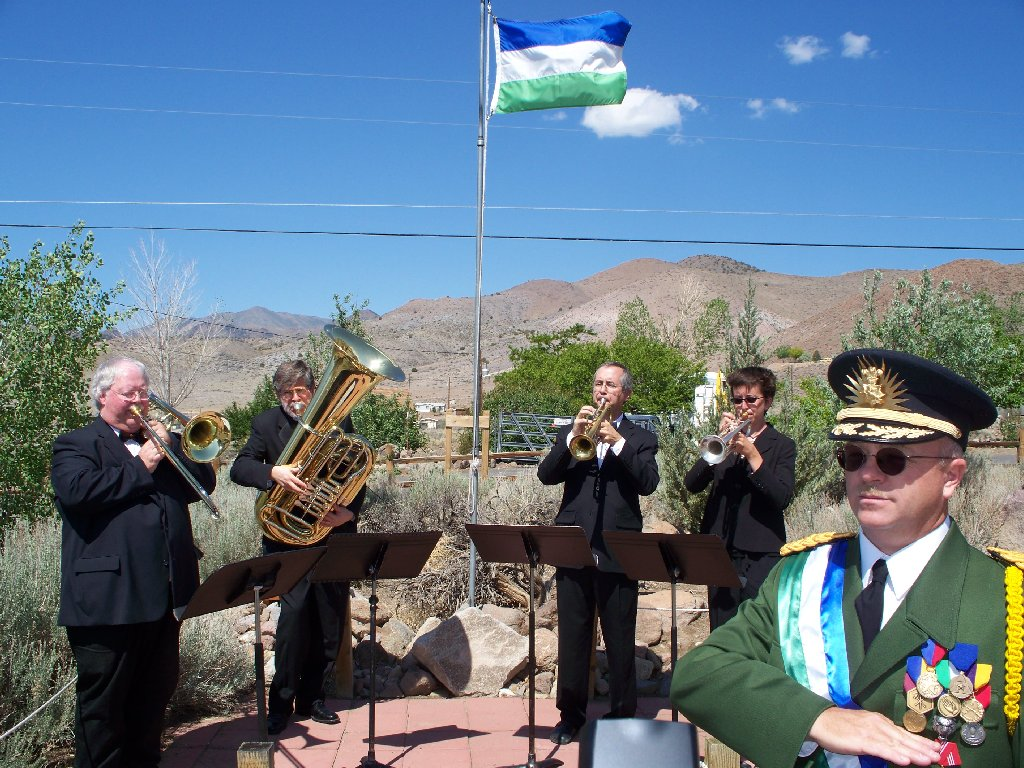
(734, 687)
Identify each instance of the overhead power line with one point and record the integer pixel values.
(509, 127)
(535, 208)
(533, 238)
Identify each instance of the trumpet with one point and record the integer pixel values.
(584, 447)
(713, 448)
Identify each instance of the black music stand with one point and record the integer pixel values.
(564, 546)
(690, 558)
(237, 583)
(357, 556)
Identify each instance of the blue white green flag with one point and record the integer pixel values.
(563, 63)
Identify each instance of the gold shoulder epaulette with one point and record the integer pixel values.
(812, 541)
(1007, 556)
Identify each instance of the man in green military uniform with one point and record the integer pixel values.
(886, 646)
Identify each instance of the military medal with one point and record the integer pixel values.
(971, 711)
(944, 727)
(928, 684)
(960, 686)
(973, 734)
(918, 703)
(948, 705)
(914, 722)
(955, 686)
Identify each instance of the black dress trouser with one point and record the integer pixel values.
(127, 674)
(580, 591)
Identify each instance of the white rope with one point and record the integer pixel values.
(53, 698)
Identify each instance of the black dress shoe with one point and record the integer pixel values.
(563, 733)
(321, 714)
(276, 723)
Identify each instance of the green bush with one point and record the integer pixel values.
(240, 416)
(216, 670)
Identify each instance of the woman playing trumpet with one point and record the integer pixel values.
(751, 488)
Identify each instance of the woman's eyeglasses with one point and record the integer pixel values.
(748, 399)
(892, 461)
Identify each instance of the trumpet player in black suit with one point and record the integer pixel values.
(752, 486)
(600, 493)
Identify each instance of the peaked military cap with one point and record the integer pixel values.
(896, 397)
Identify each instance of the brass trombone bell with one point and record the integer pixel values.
(204, 437)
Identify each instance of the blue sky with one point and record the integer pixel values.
(889, 123)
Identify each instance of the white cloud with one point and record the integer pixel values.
(556, 115)
(803, 49)
(642, 112)
(855, 46)
(760, 107)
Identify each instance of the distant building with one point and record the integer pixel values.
(428, 407)
(704, 394)
(429, 423)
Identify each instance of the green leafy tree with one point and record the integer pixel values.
(240, 416)
(710, 332)
(53, 313)
(385, 419)
(746, 347)
(969, 333)
(554, 374)
(318, 347)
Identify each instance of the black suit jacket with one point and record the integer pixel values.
(746, 508)
(126, 540)
(271, 431)
(605, 498)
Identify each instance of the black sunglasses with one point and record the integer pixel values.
(890, 460)
(748, 399)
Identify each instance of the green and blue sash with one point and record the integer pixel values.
(813, 636)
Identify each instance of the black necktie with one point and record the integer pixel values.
(870, 601)
(136, 436)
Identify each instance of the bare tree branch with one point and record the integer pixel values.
(163, 333)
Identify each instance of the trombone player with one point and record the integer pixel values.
(752, 484)
(601, 492)
(128, 564)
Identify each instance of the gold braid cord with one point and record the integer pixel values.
(812, 541)
(1014, 645)
(1014, 578)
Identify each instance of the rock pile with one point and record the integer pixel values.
(484, 651)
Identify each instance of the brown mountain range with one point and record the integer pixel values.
(432, 339)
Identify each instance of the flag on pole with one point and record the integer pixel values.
(563, 63)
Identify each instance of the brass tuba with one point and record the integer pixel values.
(335, 465)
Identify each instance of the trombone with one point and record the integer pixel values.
(713, 448)
(203, 439)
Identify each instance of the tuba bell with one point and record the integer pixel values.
(333, 464)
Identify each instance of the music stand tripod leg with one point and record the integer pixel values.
(532, 762)
(370, 761)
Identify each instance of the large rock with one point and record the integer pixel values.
(546, 649)
(648, 626)
(472, 653)
(510, 617)
(395, 637)
(417, 682)
(360, 607)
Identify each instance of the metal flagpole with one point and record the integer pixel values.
(481, 178)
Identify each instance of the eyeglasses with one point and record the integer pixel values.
(134, 396)
(892, 461)
(295, 391)
(748, 399)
